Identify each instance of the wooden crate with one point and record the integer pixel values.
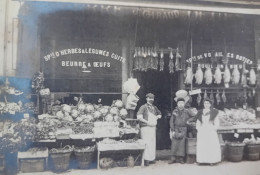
(191, 146)
(31, 165)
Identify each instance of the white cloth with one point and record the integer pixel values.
(148, 134)
(208, 146)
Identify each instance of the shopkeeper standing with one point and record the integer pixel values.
(178, 125)
(148, 115)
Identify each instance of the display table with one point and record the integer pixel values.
(243, 128)
(39, 154)
(102, 147)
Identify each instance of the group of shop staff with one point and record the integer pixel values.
(208, 146)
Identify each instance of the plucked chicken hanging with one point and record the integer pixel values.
(208, 76)
(199, 75)
(252, 77)
(217, 76)
(223, 96)
(243, 76)
(205, 95)
(235, 75)
(227, 75)
(189, 76)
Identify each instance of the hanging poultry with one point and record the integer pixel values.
(211, 97)
(252, 77)
(161, 61)
(171, 63)
(235, 75)
(177, 61)
(217, 76)
(227, 75)
(199, 75)
(243, 76)
(223, 96)
(199, 99)
(218, 99)
(208, 76)
(205, 95)
(189, 76)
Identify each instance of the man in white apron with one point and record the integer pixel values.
(148, 115)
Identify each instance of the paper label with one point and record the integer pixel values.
(236, 135)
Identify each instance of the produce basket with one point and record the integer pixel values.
(235, 151)
(61, 158)
(84, 156)
(252, 151)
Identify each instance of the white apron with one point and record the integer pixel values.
(148, 134)
(208, 146)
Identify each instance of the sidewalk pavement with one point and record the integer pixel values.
(163, 168)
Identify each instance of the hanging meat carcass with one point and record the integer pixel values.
(218, 99)
(189, 76)
(199, 75)
(199, 99)
(223, 96)
(227, 75)
(252, 77)
(217, 76)
(208, 76)
(161, 61)
(235, 75)
(211, 97)
(171, 63)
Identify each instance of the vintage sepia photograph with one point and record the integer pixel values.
(130, 87)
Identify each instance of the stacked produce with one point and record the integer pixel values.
(11, 108)
(230, 117)
(252, 140)
(17, 135)
(85, 118)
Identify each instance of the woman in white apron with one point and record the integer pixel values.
(148, 115)
(208, 146)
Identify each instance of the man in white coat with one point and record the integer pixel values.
(148, 115)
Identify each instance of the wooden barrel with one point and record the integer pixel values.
(235, 152)
(223, 151)
(252, 151)
(84, 158)
(61, 160)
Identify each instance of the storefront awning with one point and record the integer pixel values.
(221, 6)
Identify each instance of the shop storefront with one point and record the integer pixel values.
(79, 55)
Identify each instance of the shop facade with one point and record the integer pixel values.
(87, 51)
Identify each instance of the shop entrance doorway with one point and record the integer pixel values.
(163, 85)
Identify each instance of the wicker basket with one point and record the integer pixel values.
(235, 152)
(84, 158)
(61, 158)
(252, 151)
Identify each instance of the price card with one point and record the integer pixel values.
(93, 140)
(26, 116)
(258, 109)
(236, 135)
